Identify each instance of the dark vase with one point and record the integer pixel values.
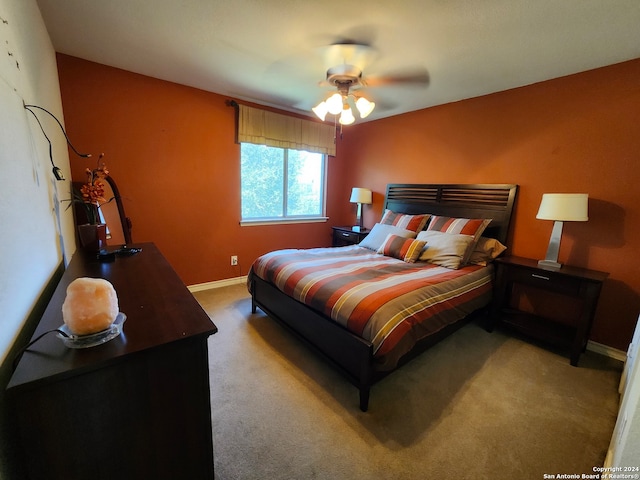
(93, 238)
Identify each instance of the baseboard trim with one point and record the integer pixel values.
(198, 287)
(607, 351)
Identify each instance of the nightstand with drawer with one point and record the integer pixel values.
(579, 288)
(343, 236)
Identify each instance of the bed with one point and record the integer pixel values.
(295, 288)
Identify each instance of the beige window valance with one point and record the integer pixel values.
(276, 130)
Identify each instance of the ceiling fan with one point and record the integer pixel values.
(348, 79)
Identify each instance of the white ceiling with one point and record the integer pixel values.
(273, 52)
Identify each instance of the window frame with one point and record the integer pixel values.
(290, 219)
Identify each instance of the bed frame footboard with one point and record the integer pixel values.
(352, 355)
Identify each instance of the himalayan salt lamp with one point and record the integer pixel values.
(91, 305)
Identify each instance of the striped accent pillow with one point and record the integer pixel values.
(379, 233)
(462, 226)
(409, 222)
(487, 249)
(405, 249)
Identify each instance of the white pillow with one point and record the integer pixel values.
(379, 234)
(444, 249)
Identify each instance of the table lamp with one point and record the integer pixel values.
(360, 196)
(561, 207)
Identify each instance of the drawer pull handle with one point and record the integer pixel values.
(345, 234)
(542, 277)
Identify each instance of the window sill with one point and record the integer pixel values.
(282, 221)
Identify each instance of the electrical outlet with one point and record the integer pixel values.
(234, 260)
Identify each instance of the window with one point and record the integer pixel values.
(281, 184)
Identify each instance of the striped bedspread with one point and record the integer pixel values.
(391, 303)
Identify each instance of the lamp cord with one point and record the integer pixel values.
(20, 352)
(56, 171)
(83, 155)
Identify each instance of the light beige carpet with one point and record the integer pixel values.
(476, 406)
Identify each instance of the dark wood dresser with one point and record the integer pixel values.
(135, 407)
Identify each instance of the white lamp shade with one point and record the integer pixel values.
(334, 104)
(321, 110)
(364, 106)
(564, 207)
(360, 195)
(347, 118)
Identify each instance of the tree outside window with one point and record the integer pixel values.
(280, 183)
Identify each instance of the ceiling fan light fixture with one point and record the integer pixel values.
(334, 104)
(321, 110)
(346, 117)
(364, 106)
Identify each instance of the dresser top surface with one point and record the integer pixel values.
(160, 310)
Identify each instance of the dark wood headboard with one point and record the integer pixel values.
(495, 201)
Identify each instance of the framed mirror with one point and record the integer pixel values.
(118, 224)
(112, 213)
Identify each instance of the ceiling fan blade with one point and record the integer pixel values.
(414, 77)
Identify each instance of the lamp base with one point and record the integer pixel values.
(359, 219)
(358, 228)
(549, 265)
(550, 261)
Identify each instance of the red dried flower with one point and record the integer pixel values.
(92, 192)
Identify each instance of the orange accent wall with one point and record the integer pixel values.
(579, 133)
(171, 149)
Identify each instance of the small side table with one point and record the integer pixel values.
(343, 236)
(578, 283)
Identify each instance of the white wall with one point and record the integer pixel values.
(33, 221)
(36, 232)
(624, 450)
